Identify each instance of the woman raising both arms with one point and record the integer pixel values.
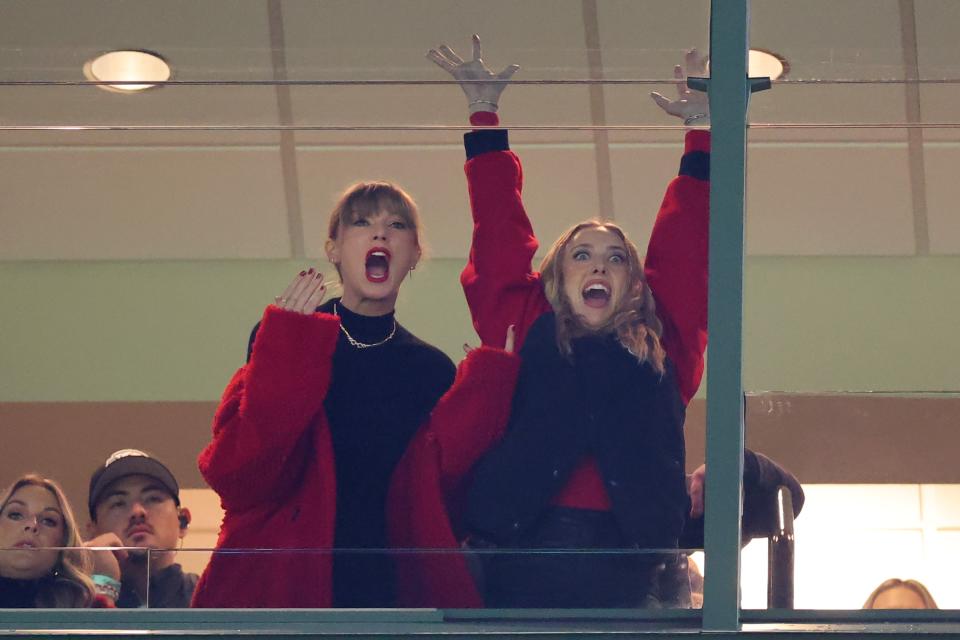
(309, 431)
(611, 350)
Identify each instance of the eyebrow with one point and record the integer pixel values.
(156, 487)
(24, 504)
(585, 245)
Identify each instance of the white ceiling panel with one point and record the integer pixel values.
(432, 175)
(845, 199)
(943, 196)
(371, 39)
(418, 106)
(215, 39)
(640, 177)
(88, 204)
(938, 23)
(831, 39)
(560, 189)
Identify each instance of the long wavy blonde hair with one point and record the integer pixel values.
(71, 586)
(634, 322)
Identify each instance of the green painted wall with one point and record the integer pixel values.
(137, 331)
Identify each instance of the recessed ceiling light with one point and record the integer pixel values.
(136, 70)
(762, 63)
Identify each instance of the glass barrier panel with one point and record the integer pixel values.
(339, 65)
(873, 488)
(467, 578)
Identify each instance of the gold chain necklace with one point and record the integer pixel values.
(363, 345)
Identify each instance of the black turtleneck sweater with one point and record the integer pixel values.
(377, 400)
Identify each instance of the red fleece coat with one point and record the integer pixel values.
(501, 290)
(465, 423)
(271, 461)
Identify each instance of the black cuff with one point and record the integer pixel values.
(696, 164)
(484, 141)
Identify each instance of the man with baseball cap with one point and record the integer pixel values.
(134, 501)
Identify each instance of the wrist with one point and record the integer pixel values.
(696, 119)
(106, 586)
(482, 105)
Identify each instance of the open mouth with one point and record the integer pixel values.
(596, 295)
(25, 545)
(378, 264)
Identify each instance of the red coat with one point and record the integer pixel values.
(271, 461)
(466, 422)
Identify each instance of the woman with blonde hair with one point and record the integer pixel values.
(900, 594)
(42, 562)
(611, 350)
(309, 431)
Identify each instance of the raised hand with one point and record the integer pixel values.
(304, 294)
(481, 86)
(507, 345)
(692, 106)
(105, 561)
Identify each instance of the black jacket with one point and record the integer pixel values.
(600, 402)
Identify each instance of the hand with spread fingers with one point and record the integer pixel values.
(304, 294)
(692, 106)
(481, 86)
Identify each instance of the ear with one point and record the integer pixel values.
(332, 250)
(185, 517)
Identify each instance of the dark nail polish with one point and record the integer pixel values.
(303, 273)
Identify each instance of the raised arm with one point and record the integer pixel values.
(258, 450)
(500, 285)
(676, 261)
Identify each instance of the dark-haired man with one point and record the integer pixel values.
(134, 501)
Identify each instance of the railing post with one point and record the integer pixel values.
(729, 91)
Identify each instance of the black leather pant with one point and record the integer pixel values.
(598, 570)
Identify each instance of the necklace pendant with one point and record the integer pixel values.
(363, 345)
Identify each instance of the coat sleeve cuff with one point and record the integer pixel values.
(485, 141)
(696, 155)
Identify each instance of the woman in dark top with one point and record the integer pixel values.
(611, 351)
(34, 514)
(310, 429)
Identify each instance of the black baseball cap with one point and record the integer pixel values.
(129, 462)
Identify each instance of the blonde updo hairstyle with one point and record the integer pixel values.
(634, 322)
(71, 586)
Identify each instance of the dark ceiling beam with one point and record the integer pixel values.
(598, 109)
(914, 115)
(288, 141)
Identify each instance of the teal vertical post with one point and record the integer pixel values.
(729, 93)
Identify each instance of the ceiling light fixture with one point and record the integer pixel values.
(765, 64)
(127, 71)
